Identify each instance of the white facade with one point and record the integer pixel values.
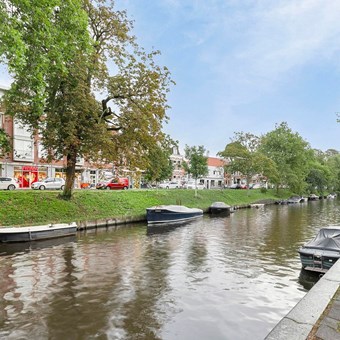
(215, 177)
(177, 159)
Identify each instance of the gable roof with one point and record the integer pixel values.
(213, 161)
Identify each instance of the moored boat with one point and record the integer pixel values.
(220, 208)
(323, 251)
(294, 199)
(171, 214)
(331, 196)
(36, 233)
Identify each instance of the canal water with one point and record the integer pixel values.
(214, 278)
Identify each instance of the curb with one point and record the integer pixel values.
(299, 322)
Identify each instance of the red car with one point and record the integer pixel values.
(114, 184)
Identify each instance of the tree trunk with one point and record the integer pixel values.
(70, 175)
(248, 178)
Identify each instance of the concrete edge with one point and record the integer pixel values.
(107, 222)
(298, 323)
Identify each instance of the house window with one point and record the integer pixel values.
(21, 130)
(80, 160)
(42, 153)
(22, 143)
(23, 149)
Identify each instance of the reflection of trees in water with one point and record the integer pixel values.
(197, 252)
(144, 312)
(124, 304)
(34, 276)
(292, 223)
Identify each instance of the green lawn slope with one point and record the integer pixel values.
(28, 207)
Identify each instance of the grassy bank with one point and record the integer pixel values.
(19, 208)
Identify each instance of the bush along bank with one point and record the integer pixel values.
(24, 208)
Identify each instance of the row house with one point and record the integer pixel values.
(178, 173)
(26, 160)
(215, 178)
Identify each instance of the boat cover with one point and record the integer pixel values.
(220, 205)
(327, 239)
(175, 208)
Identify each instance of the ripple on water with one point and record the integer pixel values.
(237, 276)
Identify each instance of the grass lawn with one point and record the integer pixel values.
(28, 207)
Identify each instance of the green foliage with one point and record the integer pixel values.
(332, 164)
(57, 52)
(196, 164)
(291, 154)
(317, 180)
(5, 145)
(159, 166)
(243, 155)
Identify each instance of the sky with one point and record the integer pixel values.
(244, 65)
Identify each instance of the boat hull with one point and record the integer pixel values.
(317, 261)
(164, 215)
(220, 208)
(27, 234)
(219, 211)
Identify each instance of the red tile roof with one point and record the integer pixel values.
(212, 161)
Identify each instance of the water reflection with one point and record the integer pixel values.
(218, 278)
(308, 279)
(23, 247)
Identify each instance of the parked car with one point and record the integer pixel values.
(49, 183)
(114, 184)
(8, 183)
(233, 186)
(168, 185)
(255, 186)
(191, 185)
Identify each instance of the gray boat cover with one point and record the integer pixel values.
(175, 208)
(327, 239)
(220, 205)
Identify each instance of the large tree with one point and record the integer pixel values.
(58, 52)
(291, 154)
(243, 156)
(159, 164)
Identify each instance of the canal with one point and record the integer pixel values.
(214, 278)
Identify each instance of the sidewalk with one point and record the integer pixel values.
(317, 315)
(328, 325)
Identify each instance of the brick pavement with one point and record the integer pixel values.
(328, 325)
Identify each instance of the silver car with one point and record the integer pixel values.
(168, 185)
(8, 183)
(49, 183)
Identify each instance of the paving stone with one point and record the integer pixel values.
(335, 311)
(327, 333)
(330, 322)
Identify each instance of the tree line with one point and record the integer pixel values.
(285, 159)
